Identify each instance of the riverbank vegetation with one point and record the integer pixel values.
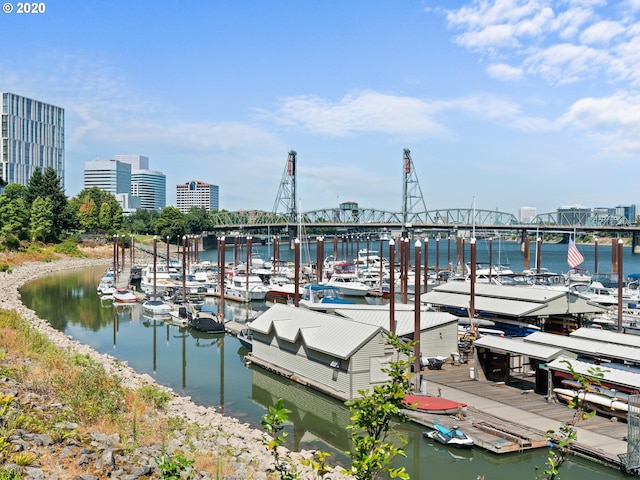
(76, 398)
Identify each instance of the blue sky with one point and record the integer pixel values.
(511, 102)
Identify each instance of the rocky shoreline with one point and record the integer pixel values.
(102, 456)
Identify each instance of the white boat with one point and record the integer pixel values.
(345, 279)
(163, 281)
(156, 307)
(124, 295)
(246, 288)
(603, 403)
(245, 336)
(106, 287)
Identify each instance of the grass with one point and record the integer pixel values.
(92, 398)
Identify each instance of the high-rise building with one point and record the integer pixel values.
(527, 214)
(149, 185)
(197, 194)
(32, 138)
(109, 175)
(137, 162)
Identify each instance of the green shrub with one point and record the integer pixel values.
(91, 393)
(154, 395)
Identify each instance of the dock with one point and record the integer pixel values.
(504, 418)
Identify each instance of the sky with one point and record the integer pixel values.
(503, 104)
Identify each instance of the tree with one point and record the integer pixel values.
(171, 223)
(42, 219)
(372, 414)
(104, 217)
(98, 210)
(49, 185)
(14, 217)
(88, 215)
(197, 220)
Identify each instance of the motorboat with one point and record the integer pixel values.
(246, 288)
(124, 295)
(106, 287)
(156, 306)
(322, 297)
(347, 281)
(245, 336)
(206, 322)
(453, 437)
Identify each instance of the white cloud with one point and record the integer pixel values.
(601, 32)
(567, 63)
(502, 71)
(357, 113)
(559, 42)
(613, 121)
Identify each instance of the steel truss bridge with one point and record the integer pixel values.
(360, 218)
(414, 214)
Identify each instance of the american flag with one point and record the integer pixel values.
(574, 257)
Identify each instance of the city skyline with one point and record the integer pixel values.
(503, 103)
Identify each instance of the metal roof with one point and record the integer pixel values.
(405, 319)
(533, 350)
(330, 334)
(591, 348)
(608, 336)
(509, 300)
(611, 375)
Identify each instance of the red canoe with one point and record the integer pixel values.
(435, 405)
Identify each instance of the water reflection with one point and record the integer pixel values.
(211, 370)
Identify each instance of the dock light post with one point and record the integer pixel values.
(184, 269)
(296, 247)
(155, 264)
(416, 315)
(472, 296)
(320, 258)
(392, 288)
(539, 254)
(438, 258)
(168, 253)
(620, 280)
(221, 266)
(115, 256)
(595, 255)
(426, 265)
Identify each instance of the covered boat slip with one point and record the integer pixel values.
(534, 305)
(501, 359)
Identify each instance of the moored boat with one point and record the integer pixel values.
(124, 295)
(156, 306)
(435, 405)
(453, 437)
(206, 322)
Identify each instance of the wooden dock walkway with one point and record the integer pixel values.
(504, 418)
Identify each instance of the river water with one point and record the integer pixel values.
(210, 369)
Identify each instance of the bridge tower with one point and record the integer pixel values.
(285, 204)
(411, 193)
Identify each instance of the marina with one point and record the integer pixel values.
(491, 432)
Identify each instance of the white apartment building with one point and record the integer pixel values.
(109, 175)
(527, 214)
(32, 137)
(198, 194)
(149, 185)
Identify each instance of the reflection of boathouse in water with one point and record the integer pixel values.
(337, 355)
(318, 419)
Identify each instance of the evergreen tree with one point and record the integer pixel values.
(42, 219)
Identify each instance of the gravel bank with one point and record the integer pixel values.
(250, 459)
